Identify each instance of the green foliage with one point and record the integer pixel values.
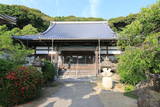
(152, 46)
(117, 24)
(17, 53)
(140, 40)
(3, 29)
(130, 36)
(132, 65)
(35, 17)
(28, 30)
(26, 16)
(147, 22)
(10, 93)
(74, 18)
(49, 71)
(5, 65)
(136, 61)
(129, 88)
(130, 92)
(20, 85)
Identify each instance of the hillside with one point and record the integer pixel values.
(26, 16)
(35, 17)
(74, 18)
(118, 23)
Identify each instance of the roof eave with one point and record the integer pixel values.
(80, 39)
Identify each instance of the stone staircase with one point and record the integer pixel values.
(82, 70)
(80, 73)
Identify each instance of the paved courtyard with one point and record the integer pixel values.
(74, 94)
(80, 93)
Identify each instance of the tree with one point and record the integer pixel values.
(130, 36)
(16, 52)
(117, 24)
(3, 29)
(147, 22)
(152, 46)
(26, 16)
(132, 65)
(28, 30)
(141, 42)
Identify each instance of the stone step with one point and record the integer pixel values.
(75, 76)
(78, 73)
(80, 67)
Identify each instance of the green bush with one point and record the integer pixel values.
(132, 66)
(5, 65)
(152, 46)
(20, 85)
(129, 87)
(136, 61)
(49, 71)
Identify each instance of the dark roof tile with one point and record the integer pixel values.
(74, 30)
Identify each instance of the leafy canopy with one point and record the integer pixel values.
(147, 22)
(141, 41)
(117, 24)
(16, 52)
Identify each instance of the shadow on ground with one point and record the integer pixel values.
(80, 93)
(73, 94)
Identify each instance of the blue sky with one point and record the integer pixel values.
(85, 8)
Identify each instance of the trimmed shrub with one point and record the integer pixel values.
(21, 85)
(49, 71)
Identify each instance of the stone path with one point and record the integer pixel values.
(80, 93)
(116, 99)
(74, 94)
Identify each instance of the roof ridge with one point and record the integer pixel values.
(51, 26)
(79, 22)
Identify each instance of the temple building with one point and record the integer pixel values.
(74, 46)
(5, 19)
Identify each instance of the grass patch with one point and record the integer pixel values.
(129, 88)
(131, 94)
(129, 91)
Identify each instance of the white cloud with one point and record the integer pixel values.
(93, 7)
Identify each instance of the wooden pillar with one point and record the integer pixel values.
(99, 56)
(107, 50)
(96, 61)
(57, 60)
(52, 51)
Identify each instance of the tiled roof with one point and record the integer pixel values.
(9, 19)
(74, 30)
